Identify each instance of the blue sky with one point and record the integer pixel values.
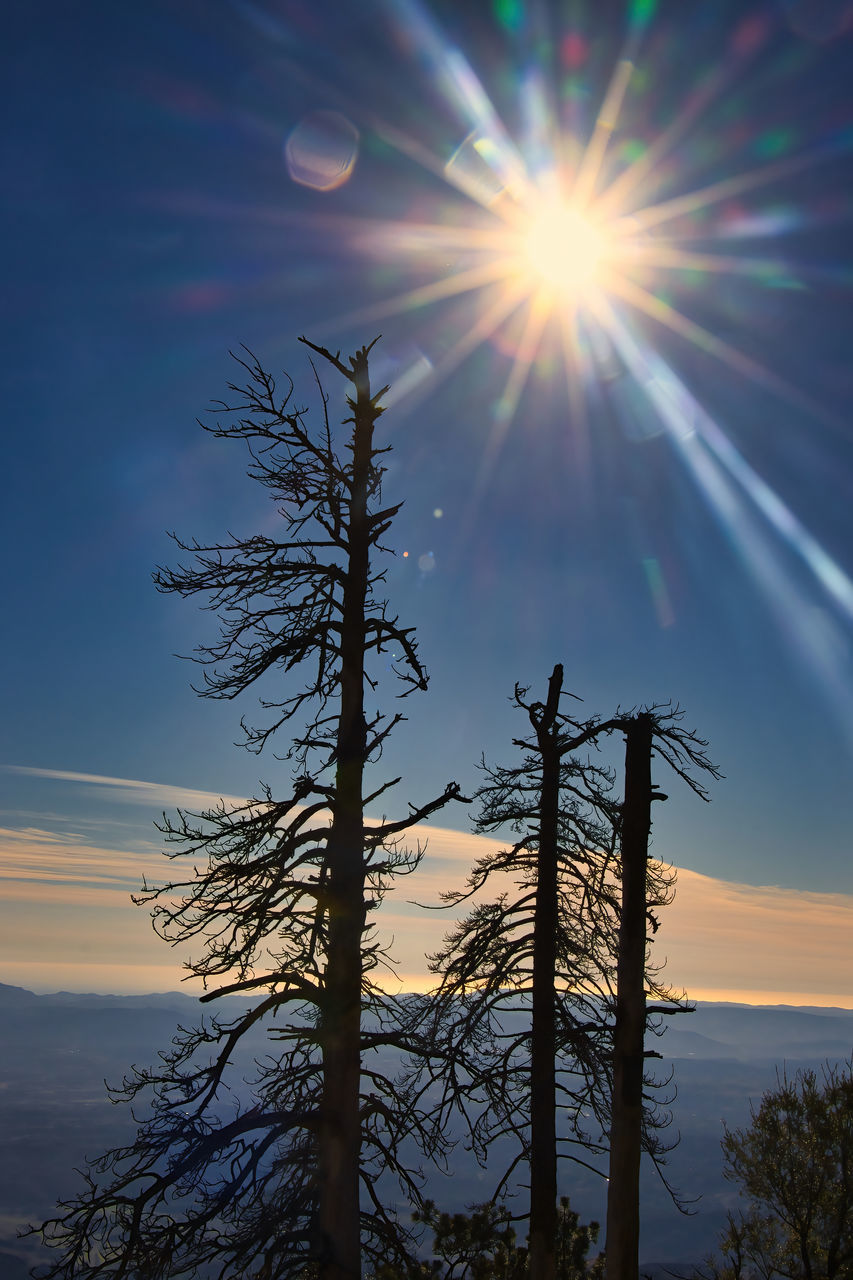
(660, 500)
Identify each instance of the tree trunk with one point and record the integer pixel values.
(339, 1141)
(543, 1101)
(623, 1191)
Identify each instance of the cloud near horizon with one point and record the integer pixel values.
(66, 919)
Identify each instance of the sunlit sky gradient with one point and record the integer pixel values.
(650, 482)
(69, 920)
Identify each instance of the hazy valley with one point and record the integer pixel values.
(57, 1050)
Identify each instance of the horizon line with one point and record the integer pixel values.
(743, 999)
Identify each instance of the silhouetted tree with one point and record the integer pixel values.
(530, 1015)
(652, 730)
(519, 1010)
(277, 897)
(794, 1168)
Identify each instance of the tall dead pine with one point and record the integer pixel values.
(651, 730)
(521, 1043)
(629, 1029)
(276, 1176)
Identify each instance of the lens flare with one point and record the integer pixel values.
(321, 151)
(601, 217)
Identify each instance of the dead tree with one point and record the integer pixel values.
(520, 1030)
(277, 896)
(543, 1032)
(629, 1028)
(541, 1008)
(649, 731)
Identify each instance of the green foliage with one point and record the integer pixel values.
(794, 1166)
(482, 1245)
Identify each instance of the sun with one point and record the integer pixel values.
(564, 247)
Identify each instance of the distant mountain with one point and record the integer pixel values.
(749, 1034)
(12, 997)
(18, 997)
(56, 1050)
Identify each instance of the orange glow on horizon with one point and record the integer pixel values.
(69, 923)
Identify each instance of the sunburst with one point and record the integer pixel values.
(554, 236)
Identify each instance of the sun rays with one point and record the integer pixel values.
(604, 245)
(556, 226)
(610, 224)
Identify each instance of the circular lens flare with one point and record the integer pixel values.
(564, 248)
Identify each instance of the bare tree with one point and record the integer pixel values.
(519, 1008)
(538, 988)
(277, 896)
(652, 730)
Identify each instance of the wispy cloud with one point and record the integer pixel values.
(40, 857)
(159, 795)
(720, 936)
(67, 908)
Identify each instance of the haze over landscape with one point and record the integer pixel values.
(56, 1051)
